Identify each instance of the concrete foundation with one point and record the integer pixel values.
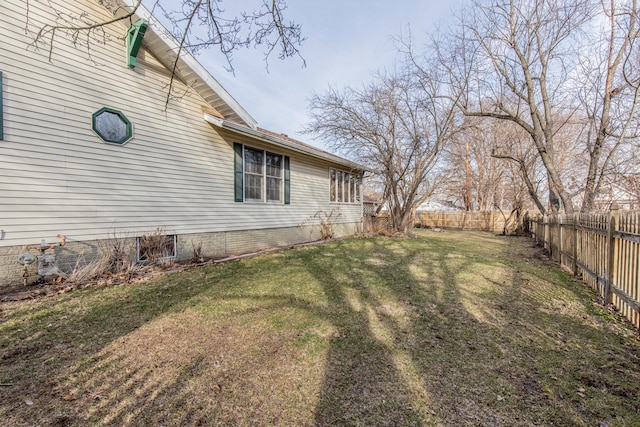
(212, 246)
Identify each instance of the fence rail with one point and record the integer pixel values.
(602, 249)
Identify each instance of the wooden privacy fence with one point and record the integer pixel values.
(461, 220)
(458, 220)
(376, 224)
(602, 249)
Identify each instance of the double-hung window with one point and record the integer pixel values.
(344, 186)
(253, 174)
(274, 177)
(261, 176)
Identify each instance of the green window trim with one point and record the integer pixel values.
(134, 40)
(128, 128)
(1, 110)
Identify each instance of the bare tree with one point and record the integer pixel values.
(495, 164)
(610, 90)
(630, 183)
(510, 61)
(195, 24)
(398, 126)
(511, 143)
(475, 178)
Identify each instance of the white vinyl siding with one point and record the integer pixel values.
(58, 177)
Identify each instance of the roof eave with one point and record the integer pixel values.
(189, 60)
(269, 139)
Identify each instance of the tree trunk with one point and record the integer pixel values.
(554, 201)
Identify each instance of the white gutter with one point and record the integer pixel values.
(270, 139)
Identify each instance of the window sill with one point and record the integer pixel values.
(262, 202)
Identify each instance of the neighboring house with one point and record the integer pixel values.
(434, 205)
(88, 151)
(623, 196)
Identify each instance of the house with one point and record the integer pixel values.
(89, 151)
(624, 194)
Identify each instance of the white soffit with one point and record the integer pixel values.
(279, 142)
(163, 45)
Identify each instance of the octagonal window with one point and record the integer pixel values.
(111, 126)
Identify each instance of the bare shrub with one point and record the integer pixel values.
(115, 256)
(326, 221)
(84, 271)
(157, 247)
(196, 255)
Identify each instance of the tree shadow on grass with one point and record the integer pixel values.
(422, 332)
(361, 384)
(369, 379)
(447, 344)
(42, 354)
(139, 355)
(426, 336)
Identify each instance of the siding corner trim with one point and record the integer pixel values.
(1, 110)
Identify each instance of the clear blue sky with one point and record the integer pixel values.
(347, 41)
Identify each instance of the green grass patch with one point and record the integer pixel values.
(461, 329)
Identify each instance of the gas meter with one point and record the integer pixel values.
(26, 259)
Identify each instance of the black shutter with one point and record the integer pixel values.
(287, 181)
(238, 175)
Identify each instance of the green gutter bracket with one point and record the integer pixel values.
(134, 40)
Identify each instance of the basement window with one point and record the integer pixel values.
(111, 126)
(152, 248)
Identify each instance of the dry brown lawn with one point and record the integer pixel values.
(449, 329)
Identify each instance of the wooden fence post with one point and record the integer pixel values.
(546, 233)
(559, 234)
(492, 224)
(574, 229)
(539, 229)
(612, 264)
